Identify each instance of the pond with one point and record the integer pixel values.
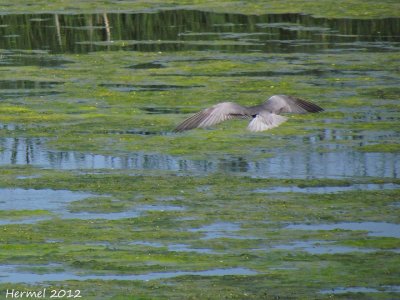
(96, 190)
(183, 30)
(293, 164)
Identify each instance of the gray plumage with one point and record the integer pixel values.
(264, 116)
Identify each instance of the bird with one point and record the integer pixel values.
(263, 116)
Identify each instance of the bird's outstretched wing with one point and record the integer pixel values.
(278, 104)
(214, 115)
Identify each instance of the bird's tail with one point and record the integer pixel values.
(265, 121)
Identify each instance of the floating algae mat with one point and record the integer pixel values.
(98, 194)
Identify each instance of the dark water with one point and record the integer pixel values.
(146, 87)
(177, 30)
(27, 88)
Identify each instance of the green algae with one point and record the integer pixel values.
(97, 204)
(382, 243)
(221, 218)
(103, 246)
(121, 111)
(381, 148)
(223, 195)
(22, 214)
(355, 8)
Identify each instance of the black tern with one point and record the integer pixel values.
(264, 116)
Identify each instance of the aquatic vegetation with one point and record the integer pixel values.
(354, 8)
(97, 204)
(21, 214)
(99, 195)
(381, 148)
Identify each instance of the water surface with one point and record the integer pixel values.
(14, 274)
(361, 289)
(178, 30)
(373, 228)
(330, 60)
(290, 164)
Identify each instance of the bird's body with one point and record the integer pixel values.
(264, 116)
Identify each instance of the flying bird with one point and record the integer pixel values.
(263, 117)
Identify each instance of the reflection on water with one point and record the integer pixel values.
(22, 273)
(30, 199)
(373, 228)
(321, 247)
(175, 247)
(189, 248)
(30, 58)
(361, 289)
(330, 189)
(25, 88)
(56, 202)
(290, 164)
(333, 165)
(21, 151)
(27, 84)
(219, 230)
(175, 30)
